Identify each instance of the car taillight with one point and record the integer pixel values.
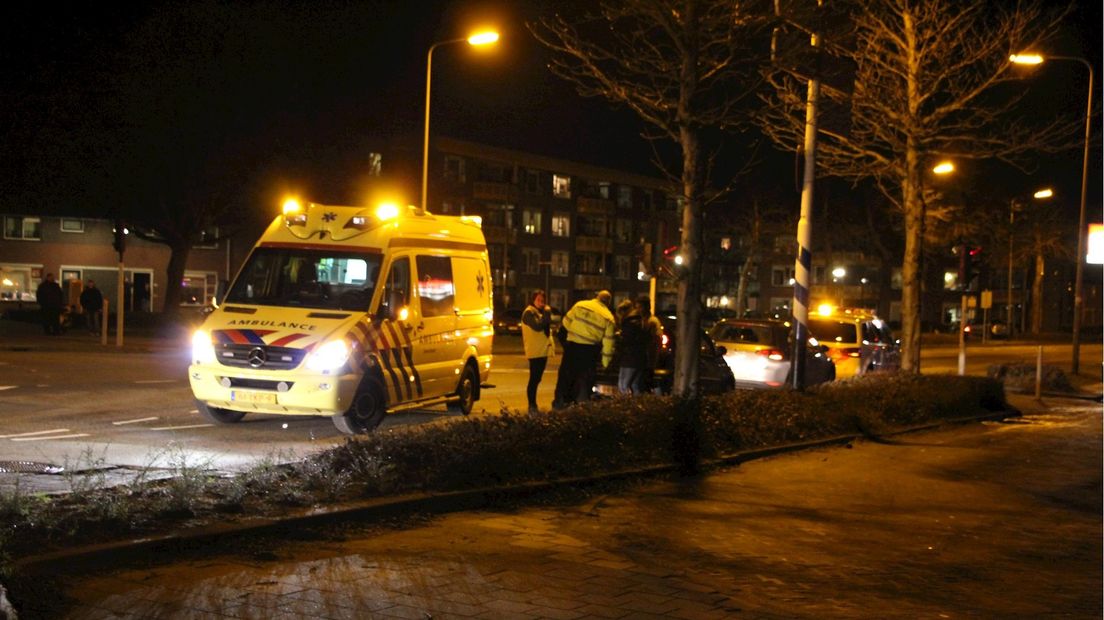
(772, 354)
(843, 354)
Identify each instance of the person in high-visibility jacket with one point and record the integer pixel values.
(590, 331)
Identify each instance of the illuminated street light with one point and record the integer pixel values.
(1078, 302)
(839, 272)
(1044, 193)
(478, 39)
(944, 167)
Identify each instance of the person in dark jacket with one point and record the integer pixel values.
(638, 348)
(91, 301)
(48, 295)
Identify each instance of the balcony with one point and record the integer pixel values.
(597, 245)
(594, 206)
(500, 234)
(588, 282)
(498, 192)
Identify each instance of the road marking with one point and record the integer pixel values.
(7, 387)
(174, 428)
(122, 422)
(194, 411)
(158, 381)
(56, 430)
(50, 437)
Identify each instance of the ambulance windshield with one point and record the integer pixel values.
(294, 277)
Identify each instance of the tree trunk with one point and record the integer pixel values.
(1037, 294)
(911, 266)
(741, 288)
(689, 289)
(174, 275)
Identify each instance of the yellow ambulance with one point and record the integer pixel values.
(350, 312)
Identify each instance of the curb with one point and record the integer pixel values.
(81, 559)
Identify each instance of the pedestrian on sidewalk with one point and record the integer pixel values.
(49, 298)
(590, 332)
(91, 301)
(536, 322)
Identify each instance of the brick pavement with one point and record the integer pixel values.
(989, 520)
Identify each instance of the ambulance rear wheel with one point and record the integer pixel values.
(465, 392)
(218, 416)
(367, 410)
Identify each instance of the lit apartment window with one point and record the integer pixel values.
(781, 275)
(559, 263)
(561, 186)
(72, 225)
(16, 227)
(726, 243)
(561, 225)
(530, 259)
(531, 221)
(604, 189)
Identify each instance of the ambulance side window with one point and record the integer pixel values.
(396, 292)
(435, 289)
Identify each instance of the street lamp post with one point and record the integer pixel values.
(479, 38)
(1035, 59)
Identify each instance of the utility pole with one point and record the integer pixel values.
(120, 246)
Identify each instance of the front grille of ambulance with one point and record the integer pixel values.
(259, 357)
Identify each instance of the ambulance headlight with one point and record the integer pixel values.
(203, 350)
(329, 356)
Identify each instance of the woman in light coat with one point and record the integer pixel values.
(535, 323)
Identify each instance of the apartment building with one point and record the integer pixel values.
(553, 224)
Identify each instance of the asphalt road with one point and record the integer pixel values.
(991, 520)
(79, 406)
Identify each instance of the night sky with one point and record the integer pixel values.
(291, 96)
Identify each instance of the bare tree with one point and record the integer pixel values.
(931, 79)
(1045, 235)
(683, 67)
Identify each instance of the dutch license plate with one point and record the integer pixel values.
(264, 398)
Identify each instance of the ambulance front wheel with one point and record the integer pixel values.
(367, 411)
(218, 416)
(466, 392)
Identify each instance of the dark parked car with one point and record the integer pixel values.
(507, 321)
(714, 375)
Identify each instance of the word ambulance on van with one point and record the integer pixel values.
(350, 312)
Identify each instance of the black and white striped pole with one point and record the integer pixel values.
(802, 266)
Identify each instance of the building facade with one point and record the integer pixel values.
(567, 227)
(78, 249)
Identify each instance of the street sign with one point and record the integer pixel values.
(987, 299)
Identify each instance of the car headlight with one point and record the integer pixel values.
(203, 350)
(329, 356)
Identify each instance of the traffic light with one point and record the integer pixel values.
(974, 267)
(119, 242)
(969, 267)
